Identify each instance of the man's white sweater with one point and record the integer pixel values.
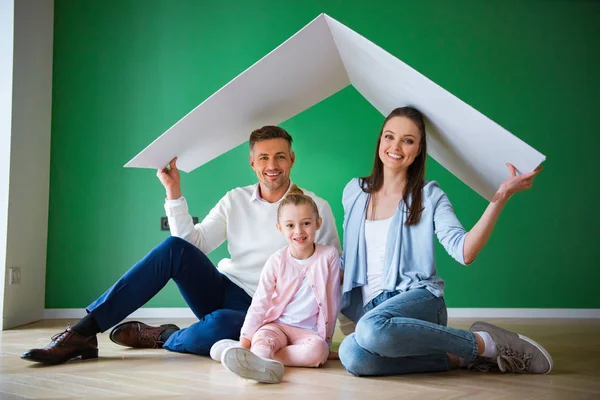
(247, 222)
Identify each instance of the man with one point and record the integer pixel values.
(245, 217)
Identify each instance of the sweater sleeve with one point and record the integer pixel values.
(208, 234)
(261, 301)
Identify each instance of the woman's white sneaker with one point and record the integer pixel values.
(217, 349)
(248, 365)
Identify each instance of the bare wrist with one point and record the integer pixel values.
(173, 194)
(500, 197)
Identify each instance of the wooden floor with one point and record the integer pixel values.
(122, 373)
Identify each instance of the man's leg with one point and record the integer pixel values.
(224, 323)
(201, 285)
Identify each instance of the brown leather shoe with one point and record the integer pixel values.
(64, 346)
(138, 335)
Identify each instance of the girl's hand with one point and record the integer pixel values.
(245, 343)
(515, 183)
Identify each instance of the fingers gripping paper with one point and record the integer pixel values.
(317, 62)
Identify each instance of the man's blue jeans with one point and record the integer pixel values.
(403, 333)
(218, 303)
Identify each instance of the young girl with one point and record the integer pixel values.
(293, 312)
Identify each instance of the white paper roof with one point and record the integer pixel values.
(315, 63)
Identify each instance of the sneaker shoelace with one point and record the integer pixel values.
(508, 360)
(483, 364)
(512, 361)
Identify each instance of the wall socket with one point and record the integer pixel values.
(164, 223)
(14, 275)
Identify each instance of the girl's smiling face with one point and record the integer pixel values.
(299, 225)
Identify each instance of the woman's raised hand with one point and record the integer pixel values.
(515, 183)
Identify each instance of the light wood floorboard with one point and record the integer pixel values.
(122, 373)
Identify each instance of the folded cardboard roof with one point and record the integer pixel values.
(321, 59)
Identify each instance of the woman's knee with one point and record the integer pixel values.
(350, 356)
(368, 332)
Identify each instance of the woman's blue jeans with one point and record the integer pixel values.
(218, 303)
(403, 333)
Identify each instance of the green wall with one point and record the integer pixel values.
(125, 71)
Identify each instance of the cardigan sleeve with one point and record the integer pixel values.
(262, 299)
(349, 195)
(333, 294)
(448, 228)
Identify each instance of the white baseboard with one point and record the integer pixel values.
(523, 313)
(483, 313)
(167, 312)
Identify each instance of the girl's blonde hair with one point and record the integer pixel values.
(296, 197)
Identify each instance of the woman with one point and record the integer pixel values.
(391, 288)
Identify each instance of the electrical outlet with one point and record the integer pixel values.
(164, 223)
(14, 275)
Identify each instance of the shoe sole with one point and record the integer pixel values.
(540, 348)
(134, 322)
(525, 338)
(216, 355)
(262, 370)
(84, 355)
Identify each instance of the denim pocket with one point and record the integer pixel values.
(442, 313)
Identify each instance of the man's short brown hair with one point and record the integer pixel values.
(269, 132)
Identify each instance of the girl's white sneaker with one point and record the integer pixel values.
(217, 349)
(248, 365)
